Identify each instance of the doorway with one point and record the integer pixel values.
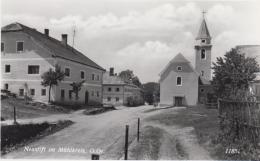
(178, 101)
(86, 97)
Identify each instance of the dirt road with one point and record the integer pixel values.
(103, 133)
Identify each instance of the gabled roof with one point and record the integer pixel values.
(179, 58)
(107, 79)
(54, 45)
(115, 80)
(203, 31)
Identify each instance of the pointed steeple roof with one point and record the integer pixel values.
(179, 58)
(203, 31)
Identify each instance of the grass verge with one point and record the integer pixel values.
(15, 136)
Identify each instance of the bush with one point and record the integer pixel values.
(15, 134)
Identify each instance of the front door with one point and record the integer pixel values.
(178, 101)
(86, 97)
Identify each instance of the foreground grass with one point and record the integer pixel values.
(24, 110)
(149, 145)
(15, 136)
(204, 121)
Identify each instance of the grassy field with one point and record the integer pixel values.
(24, 110)
(204, 121)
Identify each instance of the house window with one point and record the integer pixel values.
(33, 69)
(2, 47)
(203, 40)
(82, 75)
(108, 99)
(19, 46)
(201, 90)
(32, 92)
(202, 73)
(179, 68)
(97, 93)
(97, 77)
(109, 89)
(6, 86)
(93, 76)
(203, 54)
(7, 68)
(21, 92)
(67, 72)
(62, 94)
(117, 89)
(179, 81)
(92, 93)
(70, 94)
(117, 99)
(43, 92)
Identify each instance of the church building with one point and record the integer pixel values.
(181, 83)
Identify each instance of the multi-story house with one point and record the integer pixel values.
(27, 53)
(117, 92)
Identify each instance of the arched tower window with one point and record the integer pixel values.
(202, 73)
(203, 54)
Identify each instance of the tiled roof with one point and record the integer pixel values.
(115, 80)
(203, 31)
(54, 45)
(107, 79)
(179, 58)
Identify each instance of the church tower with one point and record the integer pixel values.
(203, 51)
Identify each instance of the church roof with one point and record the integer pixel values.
(203, 31)
(54, 45)
(179, 58)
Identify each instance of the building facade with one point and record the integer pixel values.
(180, 83)
(27, 53)
(117, 92)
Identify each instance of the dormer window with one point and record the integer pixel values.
(179, 68)
(203, 41)
(203, 54)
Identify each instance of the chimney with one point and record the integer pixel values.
(111, 71)
(46, 32)
(64, 38)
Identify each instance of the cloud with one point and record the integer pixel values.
(149, 58)
(146, 39)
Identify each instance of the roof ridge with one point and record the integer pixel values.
(60, 50)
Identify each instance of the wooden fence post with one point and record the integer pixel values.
(138, 129)
(14, 115)
(126, 141)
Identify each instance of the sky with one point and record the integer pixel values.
(140, 35)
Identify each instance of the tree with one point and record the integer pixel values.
(51, 78)
(76, 87)
(232, 75)
(126, 75)
(151, 92)
(136, 81)
(129, 77)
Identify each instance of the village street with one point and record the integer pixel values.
(105, 133)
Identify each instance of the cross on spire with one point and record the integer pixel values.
(203, 14)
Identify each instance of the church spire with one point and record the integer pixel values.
(203, 31)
